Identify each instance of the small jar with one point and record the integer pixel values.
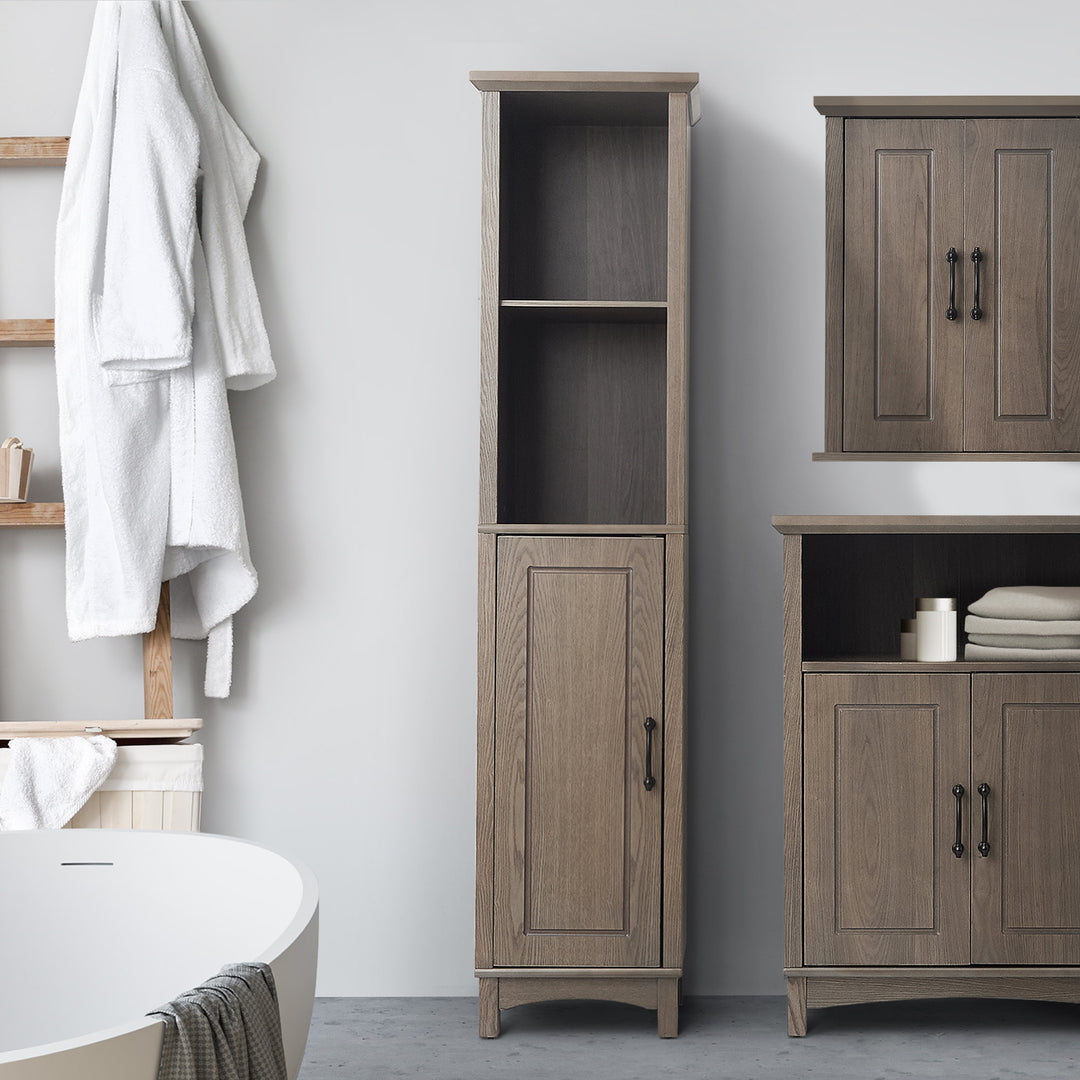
(935, 628)
(908, 649)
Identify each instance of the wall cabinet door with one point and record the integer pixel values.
(1026, 748)
(903, 359)
(882, 755)
(1023, 213)
(579, 669)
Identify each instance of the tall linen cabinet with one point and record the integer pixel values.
(582, 540)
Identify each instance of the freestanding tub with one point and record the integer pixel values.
(97, 927)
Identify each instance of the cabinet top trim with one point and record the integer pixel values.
(799, 524)
(916, 106)
(667, 82)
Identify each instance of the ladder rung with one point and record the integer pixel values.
(25, 333)
(33, 150)
(29, 515)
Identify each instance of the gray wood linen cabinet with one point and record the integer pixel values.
(582, 539)
(952, 277)
(932, 846)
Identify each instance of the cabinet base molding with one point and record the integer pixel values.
(647, 988)
(821, 988)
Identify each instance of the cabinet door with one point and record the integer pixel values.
(882, 755)
(1026, 890)
(1022, 386)
(579, 659)
(903, 211)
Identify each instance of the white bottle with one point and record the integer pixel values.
(935, 628)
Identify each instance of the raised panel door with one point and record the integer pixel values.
(1023, 355)
(903, 358)
(1026, 749)
(579, 669)
(882, 756)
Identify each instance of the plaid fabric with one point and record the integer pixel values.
(227, 1029)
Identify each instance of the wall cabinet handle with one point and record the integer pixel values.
(958, 847)
(976, 258)
(984, 843)
(950, 258)
(650, 727)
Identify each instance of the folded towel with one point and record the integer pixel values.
(988, 652)
(976, 624)
(1029, 602)
(49, 780)
(229, 1028)
(1027, 641)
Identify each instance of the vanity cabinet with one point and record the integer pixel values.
(581, 752)
(953, 276)
(932, 848)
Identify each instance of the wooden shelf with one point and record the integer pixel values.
(30, 515)
(607, 82)
(33, 150)
(910, 105)
(589, 310)
(852, 455)
(580, 529)
(26, 333)
(808, 524)
(891, 667)
(160, 730)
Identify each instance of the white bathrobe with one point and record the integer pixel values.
(156, 316)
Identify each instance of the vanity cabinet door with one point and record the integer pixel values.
(903, 358)
(1022, 384)
(883, 754)
(579, 670)
(1026, 749)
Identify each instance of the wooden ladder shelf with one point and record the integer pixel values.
(23, 333)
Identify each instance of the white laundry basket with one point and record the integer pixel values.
(151, 786)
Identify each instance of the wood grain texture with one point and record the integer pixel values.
(903, 360)
(1026, 746)
(793, 751)
(834, 284)
(489, 309)
(678, 225)
(588, 310)
(820, 667)
(952, 105)
(824, 992)
(805, 524)
(33, 150)
(666, 82)
(157, 662)
(824, 456)
(882, 754)
(577, 973)
(485, 752)
(489, 1009)
(578, 668)
(161, 730)
(640, 992)
(1022, 386)
(676, 747)
(31, 515)
(27, 333)
(578, 528)
(667, 1008)
(796, 1007)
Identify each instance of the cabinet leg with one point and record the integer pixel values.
(796, 1007)
(489, 1009)
(667, 1008)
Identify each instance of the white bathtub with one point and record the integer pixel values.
(97, 927)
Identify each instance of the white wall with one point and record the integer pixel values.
(349, 738)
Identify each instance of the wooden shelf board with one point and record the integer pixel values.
(853, 455)
(916, 105)
(586, 310)
(961, 971)
(803, 524)
(888, 666)
(30, 515)
(26, 333)
(120, 730)
(580, 529)
(669, 82)
(30, 150)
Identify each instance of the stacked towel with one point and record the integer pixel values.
(1024, 622)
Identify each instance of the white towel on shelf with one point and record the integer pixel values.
(989, 652)
(1027, 641)
(156, 317)
(49, 780)
(1037, 602)
(977, 624)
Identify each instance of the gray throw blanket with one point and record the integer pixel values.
(229, 1028)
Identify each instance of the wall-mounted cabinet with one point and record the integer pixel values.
(953, 266)
(580, 881)
(929, 851)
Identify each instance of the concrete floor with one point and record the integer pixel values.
(720, 1039)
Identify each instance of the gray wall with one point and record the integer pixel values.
(348, 741)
